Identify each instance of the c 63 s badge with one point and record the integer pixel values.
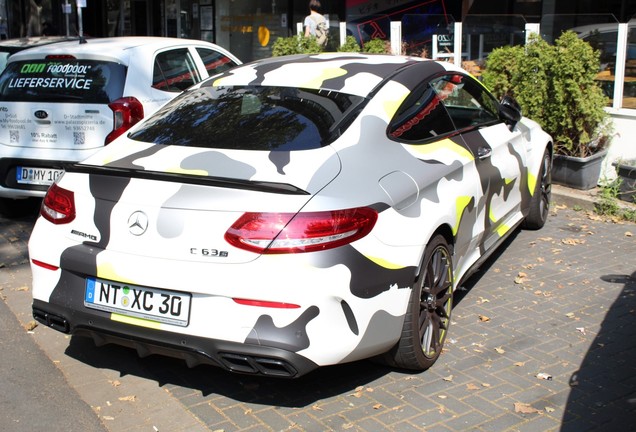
(209, 252)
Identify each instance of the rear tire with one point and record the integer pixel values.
(428, 315)
(540, 201)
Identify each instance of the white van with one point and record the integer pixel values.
(60, 103)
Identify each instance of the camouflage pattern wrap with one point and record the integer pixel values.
(352, 299)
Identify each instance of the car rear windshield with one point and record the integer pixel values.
(251, 118)
(62, 80)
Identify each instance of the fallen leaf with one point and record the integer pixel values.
(108, 418)
(471, 386)
(544, 376)
(525, 408)
(570, 314)
(247, 411)
(581, 329)
(483, 318)
(347, 425)
(316, 408)
(441, 409)
(131, 398)
(448, 378)
(115, 383)
(482, 300)
(485, 385)
(628, 234)
(442, 396)
(519, 364)
(22, 288)
(377, 406)
(549, 409)
(30, 325)
(500, 350)
(572, 241)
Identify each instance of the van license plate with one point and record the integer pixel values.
(37, 176)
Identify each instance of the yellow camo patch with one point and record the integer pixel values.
(195, 172)
(391, 106)
(385, 264)
(532, 183)
(460, 205)
(445, 144)
(107, 271)
(140, 322)
(316, 82)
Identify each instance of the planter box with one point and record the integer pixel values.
(577, 173)
(626, 171)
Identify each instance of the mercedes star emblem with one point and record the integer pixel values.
(138, 223)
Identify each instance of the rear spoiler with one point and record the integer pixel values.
(224, 182)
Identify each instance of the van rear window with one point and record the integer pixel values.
(67, 80)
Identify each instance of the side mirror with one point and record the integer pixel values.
(509, 111)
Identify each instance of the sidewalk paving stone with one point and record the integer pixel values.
(559, 301)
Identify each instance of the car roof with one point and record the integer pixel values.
(19, 44)
(115, 47)
(352, 73)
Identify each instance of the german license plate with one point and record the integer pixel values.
(37, 176)
(140, 302)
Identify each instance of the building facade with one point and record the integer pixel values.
(248, 28)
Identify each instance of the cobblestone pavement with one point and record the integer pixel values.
(543, 338)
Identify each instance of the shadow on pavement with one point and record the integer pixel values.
(209, 380)
(603, 390)
(295, 393)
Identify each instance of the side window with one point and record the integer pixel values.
(421, 116)
(214, 61)
(174, 71)
(467, 102)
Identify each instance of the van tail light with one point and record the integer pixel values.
(126, 112)
(58, 206)
(280, 233)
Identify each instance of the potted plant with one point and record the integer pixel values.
(626, 174)
(555, 86)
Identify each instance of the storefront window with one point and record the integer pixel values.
(599, 30)
(251, 27)
(481, 34)
(629, 88)
(428, 36)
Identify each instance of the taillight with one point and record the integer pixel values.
(58, 205)
(126, 112)
(277, 233)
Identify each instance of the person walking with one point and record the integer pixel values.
(316, 24)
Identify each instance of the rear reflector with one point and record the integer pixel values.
(58, 205)
(268, 304)
(44, 265)
(279, 233)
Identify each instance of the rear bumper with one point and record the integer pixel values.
(194, 350)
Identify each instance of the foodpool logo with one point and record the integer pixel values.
(67, 69)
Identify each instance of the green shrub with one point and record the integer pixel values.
(350, 45)
(555, 86)
(298, 44)
(377, 46)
